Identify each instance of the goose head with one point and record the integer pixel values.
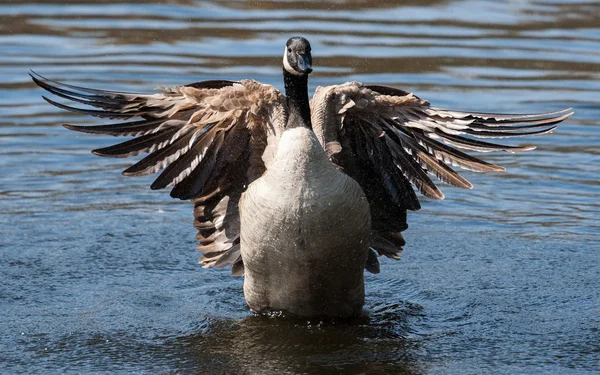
(297, 59)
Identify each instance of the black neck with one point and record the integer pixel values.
(296, 91)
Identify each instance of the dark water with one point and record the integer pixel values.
(99, 274)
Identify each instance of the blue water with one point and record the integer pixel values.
(99, 273)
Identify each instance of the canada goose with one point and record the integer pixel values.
(298, 198)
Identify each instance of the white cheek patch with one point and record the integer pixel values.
(286, 64)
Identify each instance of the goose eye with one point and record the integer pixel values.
(289, 50)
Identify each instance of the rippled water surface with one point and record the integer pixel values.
(98, 273)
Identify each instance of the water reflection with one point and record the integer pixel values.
(278, 345)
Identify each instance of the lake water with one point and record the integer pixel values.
(99, 275)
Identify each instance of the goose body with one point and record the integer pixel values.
(298, 197)
(305, 233)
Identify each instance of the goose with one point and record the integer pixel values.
(297, 196)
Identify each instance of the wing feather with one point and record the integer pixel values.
(165, 156)
(202, 155)
(134, 128)
(412, 170)
(136, 146)
(208, 138)
(390, 130)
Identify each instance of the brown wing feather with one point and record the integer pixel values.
(386, 139)
(209, 138)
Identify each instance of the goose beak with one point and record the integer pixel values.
(305, 63)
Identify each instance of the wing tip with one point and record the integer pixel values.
(158, 185)
(490, 168)
(570, 111)
(98, 152)
(562, 114)
(35, 76)
(436, 194)
(523, 148)
(105, 153)
(135, 170)
(50, 101)
(128, 173)
(76, 128)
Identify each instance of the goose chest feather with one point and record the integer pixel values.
(298, 197)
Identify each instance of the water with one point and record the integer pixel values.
(99, 273)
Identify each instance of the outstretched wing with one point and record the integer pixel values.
(211, 139)
(387, 139)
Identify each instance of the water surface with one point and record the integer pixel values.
(99, 273)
